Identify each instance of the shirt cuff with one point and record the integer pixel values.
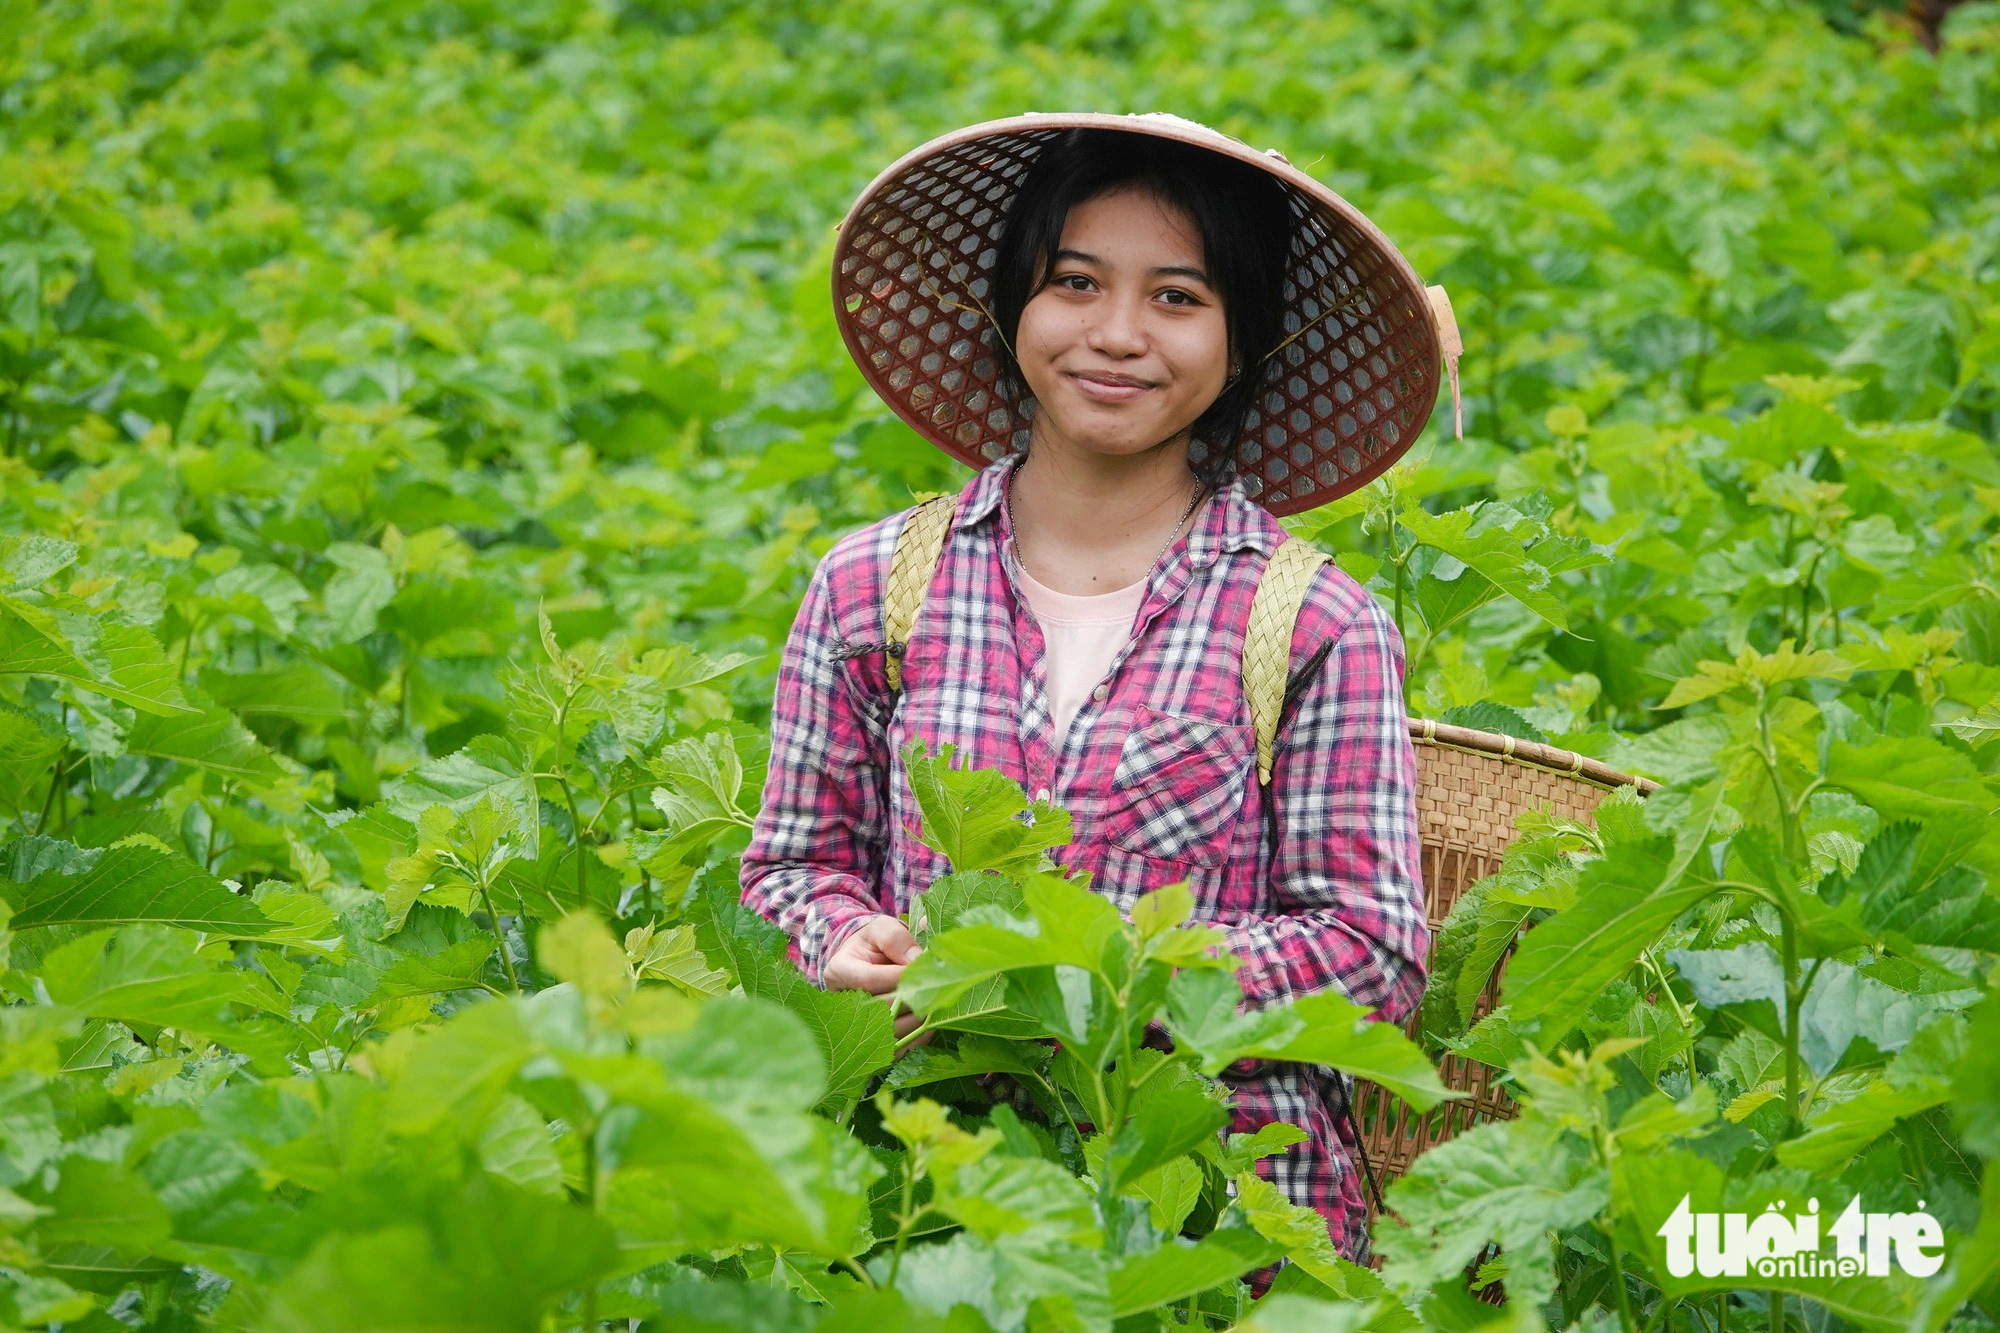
(828, 927)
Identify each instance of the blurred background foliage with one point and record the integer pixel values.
(550, 277)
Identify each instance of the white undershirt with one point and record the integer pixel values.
(1082, 634)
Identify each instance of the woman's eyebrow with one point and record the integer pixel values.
(1183, 271)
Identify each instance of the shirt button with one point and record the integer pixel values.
(1100, 694)
(1041, 793)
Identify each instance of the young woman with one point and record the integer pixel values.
(1149, 339)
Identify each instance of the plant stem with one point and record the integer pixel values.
(1777, 1312)
(645, 876)
(55, 783)
(1493, 359)
(1618, 1283)
(1794, 995)
(493, 917)
(903, 1219)
(1397, 558)
(576, 828)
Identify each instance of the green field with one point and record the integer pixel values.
(419, 422)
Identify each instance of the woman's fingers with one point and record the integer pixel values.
(891, 938)
(872, 958)
(845, 971)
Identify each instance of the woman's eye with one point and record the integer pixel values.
(1175, 296)
(1076, 282)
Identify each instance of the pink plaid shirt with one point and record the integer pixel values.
(1158, 773)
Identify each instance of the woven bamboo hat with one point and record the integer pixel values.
(1345, 394)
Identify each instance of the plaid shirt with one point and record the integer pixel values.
(1158, 773)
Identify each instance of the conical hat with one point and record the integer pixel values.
(1344, 396)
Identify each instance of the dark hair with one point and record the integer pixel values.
(1245, 223)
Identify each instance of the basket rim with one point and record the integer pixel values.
(1529, 754)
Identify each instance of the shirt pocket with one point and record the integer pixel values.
(1178, 787)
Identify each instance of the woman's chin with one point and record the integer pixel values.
(1112, 436)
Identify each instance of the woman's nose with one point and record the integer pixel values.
(1118, 330)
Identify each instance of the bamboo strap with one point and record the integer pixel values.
(918, 547)
(1267, 642)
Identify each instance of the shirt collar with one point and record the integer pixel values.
(1232, 521)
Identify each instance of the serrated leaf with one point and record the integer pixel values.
(1179, 1269)
(973, 817)
(104, 655)
(135, 882)
(1508, 1182)
(1564, 963)
(460, 966)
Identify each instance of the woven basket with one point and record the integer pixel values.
(1471, 784)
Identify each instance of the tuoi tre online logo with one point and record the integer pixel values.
(1774, 1245)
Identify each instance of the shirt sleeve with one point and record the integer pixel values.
(1347, 871)
(813, 866)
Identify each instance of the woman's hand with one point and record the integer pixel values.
(872, 959)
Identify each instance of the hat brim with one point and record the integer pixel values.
(1346, 394)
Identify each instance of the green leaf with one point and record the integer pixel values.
(1844, 1004)
(1300, 1312)
(973, 1055)
(1975, 1083)
(1171, 1119)
(515, 1145)
(1754, 669)
(1071, 1005)
(361, 586)
(29, 562)
(136, 882)
(1509, 1182)
(1498, 554)
(1202, 1014)
(460, 966)
(1487, 716)
(973, 817)
(488, 767)
(1338, 1033)
(1908, 777)
(460, 1067)
(493, 1258)
(99, 1203)
(854, 1030)
(671, 955)
(1302, 1233)
(1973, 1266)
(704, 780)
(1066, 924)
(1911, 888)
(1564, 964)
(1656, 1118)
(1178, 1270)
(1833, 1138)
(939, 908)
(101, 654)
(581, 950)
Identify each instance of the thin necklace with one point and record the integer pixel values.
(1014, 540)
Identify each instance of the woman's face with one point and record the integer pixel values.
(1125, 345)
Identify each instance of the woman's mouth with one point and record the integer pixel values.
(1105, 387)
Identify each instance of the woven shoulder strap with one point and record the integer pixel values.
(1267, 642)
(918, 547)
